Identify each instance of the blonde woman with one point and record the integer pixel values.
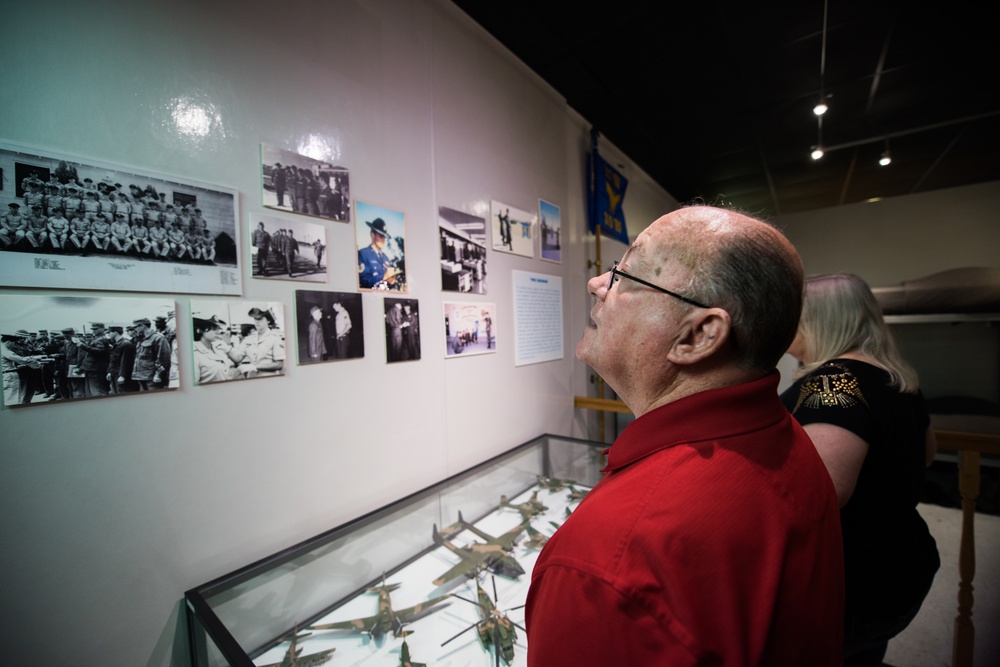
(860, 403)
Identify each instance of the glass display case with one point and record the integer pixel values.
(441, 575)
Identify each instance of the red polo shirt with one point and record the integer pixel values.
(714, 539)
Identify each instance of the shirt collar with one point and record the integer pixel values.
(707, 415)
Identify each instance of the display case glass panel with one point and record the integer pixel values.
(408, 579)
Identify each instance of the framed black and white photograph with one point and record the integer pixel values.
(300, 184)
(549, 232)
(469, 329)
(290, 249)
(512, 229)
(72, 223)
(330, 326)
(237, 340)
(463, 251)
(380, 234)
(66, 348)
(402, 330)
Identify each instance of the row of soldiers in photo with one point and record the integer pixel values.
(105, 219)
(324, 194)
(67, 364)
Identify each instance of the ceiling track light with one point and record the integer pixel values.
(821, 108)
(886, 159)
(817, 152)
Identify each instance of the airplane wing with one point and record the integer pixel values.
(357, 624)
(470, 563)
(418, 610)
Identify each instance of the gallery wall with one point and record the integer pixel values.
(906, 238)
(112, 508)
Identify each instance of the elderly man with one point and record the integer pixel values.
(714, 537)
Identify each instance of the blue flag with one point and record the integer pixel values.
(607, 190)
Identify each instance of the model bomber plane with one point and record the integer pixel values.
(293, 657)
(494, 555)
(529, 509)
(386, 619)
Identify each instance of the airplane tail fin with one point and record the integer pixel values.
(437, 536)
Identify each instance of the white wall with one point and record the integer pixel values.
(905, 238)
(111, 509)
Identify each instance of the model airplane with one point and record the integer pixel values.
(553, 484)
(494, 555)
(529, 509)
(576, 494)
(293, 657)
(404, 657)
(386, 619)
(536, 539)
(495, 629)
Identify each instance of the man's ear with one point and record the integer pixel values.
(705, 333)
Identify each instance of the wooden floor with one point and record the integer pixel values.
(927, 641)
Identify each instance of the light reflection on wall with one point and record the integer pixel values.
(319, 147)
(196, 121)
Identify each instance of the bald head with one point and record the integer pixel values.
(742, 265)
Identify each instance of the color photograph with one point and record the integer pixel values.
(469, 329)
(512, 229)
(237, 340)
(402, 330)
(330, 326)
(65, 348)
(463, 251)
(66, 223)
(300, 184)
(549, 232)
(283, 248)
(380, 235)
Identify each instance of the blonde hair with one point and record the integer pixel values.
(840, 315)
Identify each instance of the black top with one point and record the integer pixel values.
(890, 556)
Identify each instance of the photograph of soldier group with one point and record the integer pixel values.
(330, 326)
(290, 249)
(89, 348)
(301, 184)
(104, 217)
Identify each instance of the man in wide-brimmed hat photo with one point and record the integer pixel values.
(373, 263)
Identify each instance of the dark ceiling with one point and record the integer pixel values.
(714, 99)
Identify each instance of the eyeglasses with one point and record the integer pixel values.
(615, 271)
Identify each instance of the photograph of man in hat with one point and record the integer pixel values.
(381, 263)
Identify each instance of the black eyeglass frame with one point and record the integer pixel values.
(616, 271)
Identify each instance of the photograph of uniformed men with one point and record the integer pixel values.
(469, 328)
(330, 326)
(463, 251)
(236, 340)
(549, 231)
(402, 330)
(380, 235)
(289, 249)
(102, 223)
(512, 229)
(68, 348)
(301, 184)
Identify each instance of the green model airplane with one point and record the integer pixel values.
(386, 619)
(529, 509)
(495, 555)
(496, 631)
(294, 658)
(404, 657)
